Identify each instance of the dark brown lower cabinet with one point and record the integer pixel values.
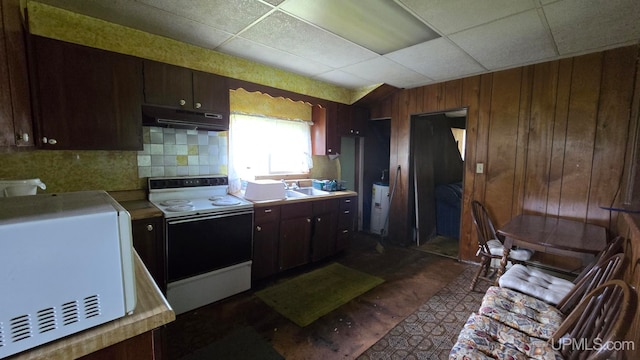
(323, 238)
(346, 222)
(148, 240)
(295, 235)
(266, 233)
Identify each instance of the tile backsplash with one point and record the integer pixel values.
(180, 152)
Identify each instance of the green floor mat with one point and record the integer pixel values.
(307, 297)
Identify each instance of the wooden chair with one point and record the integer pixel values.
(549, 288)
(538, 318)
(490, 245)
(601, 319)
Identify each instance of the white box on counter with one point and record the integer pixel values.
(262, 190)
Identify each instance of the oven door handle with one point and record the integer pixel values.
(207, 217)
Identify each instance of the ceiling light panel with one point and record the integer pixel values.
(381, 26)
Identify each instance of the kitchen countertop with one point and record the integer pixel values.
(152, 311)
(332, 195)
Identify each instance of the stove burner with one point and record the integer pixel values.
(175, 202)
(224, 201)
(178, 208)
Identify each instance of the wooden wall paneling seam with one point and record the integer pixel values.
(543, 97)
(559, 136)
(401, 194)
(453, 94)
(632, 184)
(470, 99)
(392, 229)
(502, 143)
(522, 143)
(581, 129)
(613, 118)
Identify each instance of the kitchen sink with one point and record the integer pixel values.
(310, 191)
(294, 194)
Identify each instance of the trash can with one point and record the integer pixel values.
(448, 207)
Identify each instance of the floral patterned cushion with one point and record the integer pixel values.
(521, 312)
(485, 338)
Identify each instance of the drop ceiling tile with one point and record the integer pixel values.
(250, 50)
(516, 40)
(229, 16)
(383, 70)
(139, 16)
(587, 25)
(438, 59)
(344, 79)
(450, 16)
(294, 36)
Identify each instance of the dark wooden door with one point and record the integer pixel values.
(148, 240)
(294, 242)
(266, 233)
(16, 127)
(167, 85)
(211, 93)
(87, 98)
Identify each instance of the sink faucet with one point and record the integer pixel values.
(292, 186)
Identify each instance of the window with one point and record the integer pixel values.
(268, 146)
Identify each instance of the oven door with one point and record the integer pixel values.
(204, 243)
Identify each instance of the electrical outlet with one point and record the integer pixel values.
(479, 168)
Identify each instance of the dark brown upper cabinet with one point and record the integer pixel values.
(16, 127)
(324, 132)
(352, 120)
(85, 98)
(178, 87)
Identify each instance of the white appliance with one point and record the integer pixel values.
(66, 265)
(208, 236)
(20, 187)
(379, 208)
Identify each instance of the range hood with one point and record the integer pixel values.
(161, 116)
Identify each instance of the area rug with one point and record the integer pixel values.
(241, 344)
(441, 245)
(431, 331)
(307, 297)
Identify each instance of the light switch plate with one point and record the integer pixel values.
(479, 168)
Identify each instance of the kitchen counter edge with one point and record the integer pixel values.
(332, 195)
(152, 311)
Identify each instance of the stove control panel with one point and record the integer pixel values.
(187, 182)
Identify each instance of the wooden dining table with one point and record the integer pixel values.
(551, 235)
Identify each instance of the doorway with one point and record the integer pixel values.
(375, 169)
(436, 176)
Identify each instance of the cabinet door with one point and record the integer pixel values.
(294, 242)
(148, 240)
(323, 239)
(16, 128)
(266, 233)
(86, 98)
(167, 85)
(324, 132)
(352, 120)
(211, 93)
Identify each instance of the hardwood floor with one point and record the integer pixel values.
(411, 278)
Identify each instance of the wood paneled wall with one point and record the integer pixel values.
(553, 139)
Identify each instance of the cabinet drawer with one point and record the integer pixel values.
(348, 204)
(266, 214)
(345, 220)
(296, 210)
